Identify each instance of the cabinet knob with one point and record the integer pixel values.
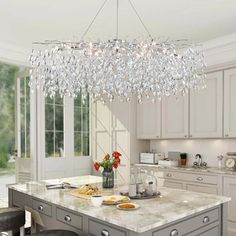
(40, 208)
(226, 135)
(169, 175)
(157, 136)
(199, 178)
(174, 232)
(104, 232)
(67, 218)
(190, 135)
(185, 136)
(206, 219)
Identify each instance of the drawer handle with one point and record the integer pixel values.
(105, 233)
(40, 208)
(169, 175)
(67, 218)
(206, 219)
(174, 232)
(199, 178)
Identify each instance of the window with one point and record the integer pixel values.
(54, 128)
(25, 117)
(81, 126)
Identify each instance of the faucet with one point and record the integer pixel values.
(199, 163)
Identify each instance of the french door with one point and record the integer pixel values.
(26, 148)
(53, 135)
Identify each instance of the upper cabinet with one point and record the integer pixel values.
(230, 103)
(206, 108)
(175, 117)
(149, 120)
(205, 113)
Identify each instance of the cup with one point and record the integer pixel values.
(97, 200)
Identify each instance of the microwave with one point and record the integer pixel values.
(150, 158)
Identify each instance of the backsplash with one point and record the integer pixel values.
(208, 148)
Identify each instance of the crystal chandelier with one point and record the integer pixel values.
(117, 68)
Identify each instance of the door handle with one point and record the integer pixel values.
(104, 232)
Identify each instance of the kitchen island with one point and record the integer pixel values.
(175, 212)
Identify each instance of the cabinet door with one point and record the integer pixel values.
(149, 120)
(206, 108)
(202, 188)
(175, 117)
(229, 189)
(230, 103)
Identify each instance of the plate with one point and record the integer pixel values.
(115, 199)
(122, 206)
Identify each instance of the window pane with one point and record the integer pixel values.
(59, 144)
(85, 102)
(81, 126)
(59, 118)
(77, 119)
(49, 100)
(85, 120)
(49, 141)
(85, 144)
(77, 101)
(49, 117)
(77, 144)
(54, 122)
(58, 99)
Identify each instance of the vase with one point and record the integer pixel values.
(108, 178)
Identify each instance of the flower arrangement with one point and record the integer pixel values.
(109, 161)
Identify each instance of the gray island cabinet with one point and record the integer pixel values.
(174, 213)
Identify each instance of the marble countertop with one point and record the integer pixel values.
(214, 170)
(172, 205)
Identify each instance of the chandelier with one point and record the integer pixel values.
(117, 68)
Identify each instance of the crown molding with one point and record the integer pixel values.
(13, 54)
(220, 51)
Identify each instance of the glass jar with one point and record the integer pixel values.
(108, 178)
(150, 184)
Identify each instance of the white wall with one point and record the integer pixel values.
(208, 148)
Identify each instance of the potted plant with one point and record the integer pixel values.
(109, 162)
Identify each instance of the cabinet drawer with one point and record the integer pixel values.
(42, 207)
(200, 178)
(98, 229)
(69, 218)
(202, 188)
(191, 224)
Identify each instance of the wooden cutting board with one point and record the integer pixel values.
(84, 196)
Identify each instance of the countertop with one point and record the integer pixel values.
(192, 169)
(172, 205)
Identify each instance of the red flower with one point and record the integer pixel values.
(117, 159)
(116, 154)
(96, 166)
(115, 165)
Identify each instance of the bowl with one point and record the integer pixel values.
(97, 200)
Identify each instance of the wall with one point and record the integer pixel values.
(208, 148)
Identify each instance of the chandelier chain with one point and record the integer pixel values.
(94, 18)
(117, 19)
(140, 19)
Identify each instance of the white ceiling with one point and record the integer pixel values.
(25, 21)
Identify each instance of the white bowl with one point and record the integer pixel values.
(97, 200)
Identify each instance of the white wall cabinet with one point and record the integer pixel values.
(206, 113)
(175, 119)
(206, 108)
(149, 120)
(230, 103)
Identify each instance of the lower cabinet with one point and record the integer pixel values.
(202, 188)
(169, 184)
(229, 189)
